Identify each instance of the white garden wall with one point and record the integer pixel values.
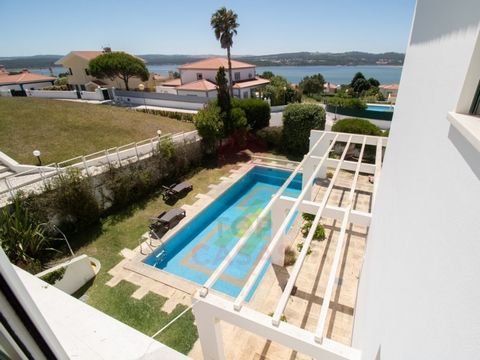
(92, 95)
(52, 94)
(78, 272)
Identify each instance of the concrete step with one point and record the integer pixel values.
(3, 168)
(4, 174)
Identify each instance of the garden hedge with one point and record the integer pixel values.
(298, 120)
(256, 110)
(357, 126)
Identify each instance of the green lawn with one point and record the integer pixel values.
(63, 129)
(123, 231)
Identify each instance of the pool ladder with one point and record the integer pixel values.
(160, 257)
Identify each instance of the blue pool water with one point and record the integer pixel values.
(380, 108)
(197, 250)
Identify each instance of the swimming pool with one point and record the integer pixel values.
(201, 245)
(385, 108)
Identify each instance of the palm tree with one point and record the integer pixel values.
(224, 24)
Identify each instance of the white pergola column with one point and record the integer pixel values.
(278, 214)
(209, 332)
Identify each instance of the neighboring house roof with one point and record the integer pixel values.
(87, 55)
(199, 85)
(97, 82)
(173, 82)
(214, 63)
(330, 86)
(249, 83)
(24, 78)
(389, 86)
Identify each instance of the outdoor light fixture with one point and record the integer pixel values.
(37, 154)
(159, 133)
(141, 87)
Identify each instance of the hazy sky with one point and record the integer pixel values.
(183, 26)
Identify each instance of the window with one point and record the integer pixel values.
(82, 87)
(237, 76)
(475, 107)
(70, 71)
(250, 75)
(199, 76)
(87, 72)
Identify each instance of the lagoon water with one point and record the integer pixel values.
(334, 74)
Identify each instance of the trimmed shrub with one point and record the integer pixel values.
(351, 103)
(257, 112)
(290, 256)
(298, 121)
(319, 231)
(271, 136)
(188, 117)
(356, 126)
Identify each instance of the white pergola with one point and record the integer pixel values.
(210, 308)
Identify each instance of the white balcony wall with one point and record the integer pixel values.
(418, 292)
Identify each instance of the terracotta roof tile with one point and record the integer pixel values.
(24, 77)
(249, 83)
(389, 86)
(199, 85)
(214, 63)
(172, 82)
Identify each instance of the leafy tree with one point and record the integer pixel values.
(298, 120)
(224, 24)
(361, 85)
(223, 100)
(312, 84)
(280, 91)
(356, 77)
(356, 126)
(267, 75)
(238, 118)
(209, 124)
(118, 64)
(374, 82)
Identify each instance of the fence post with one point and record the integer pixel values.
(9, 187)
(153, 147)
(108, 159)
(58, 170)
(136, 151)
(85, 166)
(42, 176)
(118, 157)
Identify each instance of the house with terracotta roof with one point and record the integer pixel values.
(79, 78)
(198, 79)
(389, 91)
(24, 80)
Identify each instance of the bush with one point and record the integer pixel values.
(352, 103)
(238, 118)
(300, 247)
(72, 198)
(209, 124)
(21, 236)
(271, 136)
(319, 231)
(188, 117)
(356, 126)
(298, 121)
(290, 257)
(256, 110)
(54, 276)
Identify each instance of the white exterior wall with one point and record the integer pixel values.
(39, 85)
(418, 295)
(165, 90)
(207, 94)
(188, 75)
(92, 95)
(52, 94)
(160, 102)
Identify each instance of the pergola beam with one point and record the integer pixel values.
(280, 232)
(338, 252)
(306, 244)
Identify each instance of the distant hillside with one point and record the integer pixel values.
(295, 59)
(37, 61)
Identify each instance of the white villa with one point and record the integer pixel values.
(198, 79)
(396, 279)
